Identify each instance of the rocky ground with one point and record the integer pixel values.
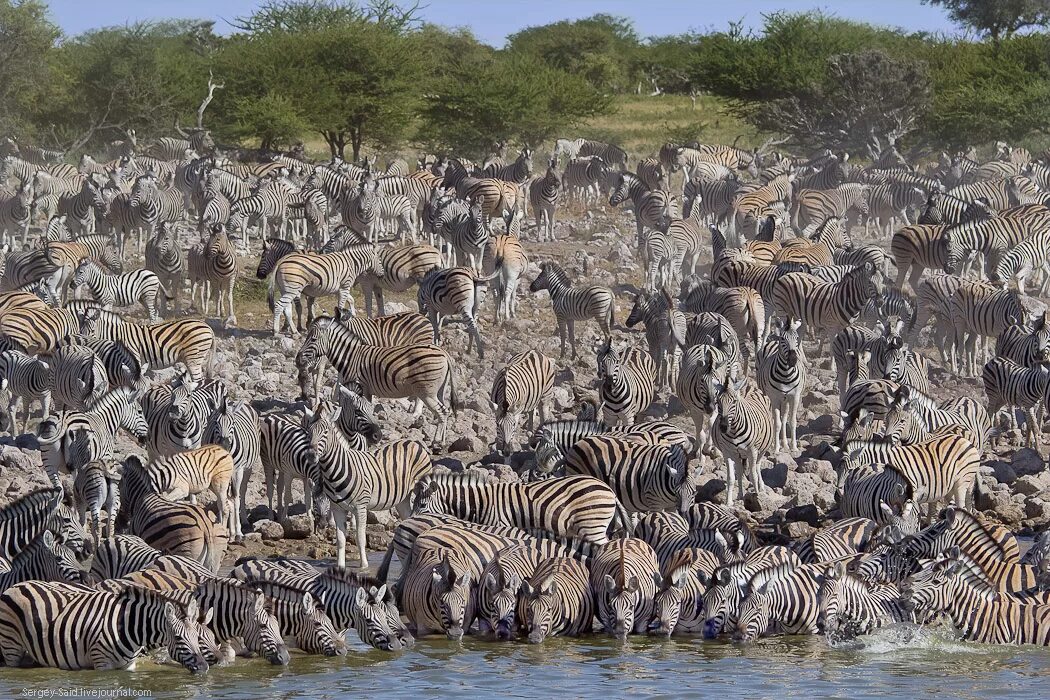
(598, 247)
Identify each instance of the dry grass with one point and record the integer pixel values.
(642, 124)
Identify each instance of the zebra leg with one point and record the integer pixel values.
(340, 534)
(571, 327)
(360, 521)
(731, 481)
(475, 333)
(441, 430)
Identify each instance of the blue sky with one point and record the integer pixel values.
(493, 20)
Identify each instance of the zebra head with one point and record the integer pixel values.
(182, 637)
(86, 271)
(145, 187)
(667, 604)
(621, 602)
(542, 607)
(499, 588)
(940, 583)
(753, 618)
(621, 189)
(372, 619)
(426, 497)
(834, 599)
(224, 427)
(68, 530)
(684, 480)
(357, 414)
(262, 631)
(320, 628)
(451, 585)
(721, 601)
(938, 538)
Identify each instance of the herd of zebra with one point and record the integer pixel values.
(606, 528)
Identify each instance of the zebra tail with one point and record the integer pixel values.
(626, 523)
(384, 566)
(269, 295)
(453, 396)
(167, 293)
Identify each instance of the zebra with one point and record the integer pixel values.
(979, 311)
(179, 414)
(314, 274)
(120, 555)
(70, 440)
(164, 258)
(556, 600)
(664, 330)
(173, 528)
(214, 267)
(741, 306)
(584, 179)
(573, 304)
(644, 477)
(35, 330)
(268, 202)
(285, 453)
(236, 428)
(963, 412)
(708, 328)
(453, 291)
(524, 385)
(403, 267)
(623, 586)
(27, 379)
(350, 599)
(82, 206)
(186, 474)
(553, 439)
(628, 383)
(421, 372)
(505, 257)
(571, 506)
(780, 599)
(1024, 259)
(543, 198)
(360, 481)
(610, 153)
(850, 603)
(991, 238)
(76, 628)
(43, 559)
(943, 465)
(653, 209)
(94, 489)
(140, 286)
(153, 205)
(711, 198)
(16, 212)
(744, 431)
(1023, 344)
(1009, 384)
(435, 592)
(679, 605)
(951, 588)
(24, 518)
(701, 365)
(243, 618)
(966, 532)
(781, 370)
(751, 207)
(823, 305)
(405, 328)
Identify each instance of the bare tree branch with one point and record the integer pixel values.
(212, 87)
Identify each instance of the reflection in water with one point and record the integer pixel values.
(900, 661)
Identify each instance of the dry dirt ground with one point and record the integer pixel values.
(596, 247)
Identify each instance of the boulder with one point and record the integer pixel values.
(463, 443)
(381, 517)
(766, 502)
(1027, 461)
(776, 476)
(798, 529)
(1002, 471)
(1037, 509)
(269, 529)
(1030, 484)
(259, 512)
(297, 527)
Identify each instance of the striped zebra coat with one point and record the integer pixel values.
(420, 372)
(213, 267)
(573, 304)
(653, 209)
(780, 600)
(138, 287)
(543, 198)
(403, 267)
(628, 383)
(571, 506)
(825, 305)
(164, 258)
(643, 477)
(186, 340)
(781, 370)
(314, 275)
(444, 292)
(524, 386)
(357, 482)
(27, 379)
(506, 256)
(557, 600)
(74, 627)
(585, 178)
(744, 431)
(664, 330)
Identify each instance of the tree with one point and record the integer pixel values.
(144, 76)
(27, 37)
(509, 97)
(354, 83)
(996, 19)
(601, 48)
(313, 15)
(865, 101)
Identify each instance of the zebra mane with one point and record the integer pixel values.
(555, 270)
(763, 577)
(971, 523)
(353, 578)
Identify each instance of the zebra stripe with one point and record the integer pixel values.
(403, 266)
(744, 431)
(557, 600)
(27, 379)
(445, 292)
(138, 287)
(780, 599)
(543, 198)
(664, 330)
(585, 178)
(653, 209)
(214, 266)
(824, 305)
(571, 506)
(781, 370)
(643, 477)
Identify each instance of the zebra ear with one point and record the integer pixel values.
(309, 604)
(886, 509)
(633, 585)
(207, 617)
(380, 593)
(361, 598)
(527, 590)
(490, 583)
(659, 580)
(610, 583)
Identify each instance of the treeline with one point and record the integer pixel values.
(373, 76)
